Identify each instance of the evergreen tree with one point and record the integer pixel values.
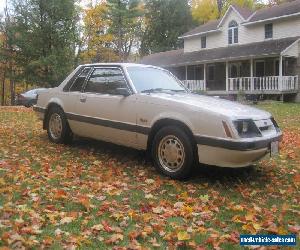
(165, 21)
(125, 25)
(44, 36)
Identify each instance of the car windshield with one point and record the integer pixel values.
(147, 79)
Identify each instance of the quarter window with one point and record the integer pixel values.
(106, 81)
(268, 30)
(233, 32)
(79, 81)
(203, 42)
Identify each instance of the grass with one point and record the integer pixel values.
(92, 195)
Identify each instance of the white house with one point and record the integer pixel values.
(255, 52)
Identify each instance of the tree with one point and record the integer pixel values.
(205, 10)
(165, 21)
(44, 36)
(98, 43)
(125, 25)
(7, 56)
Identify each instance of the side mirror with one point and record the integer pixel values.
(123, 91)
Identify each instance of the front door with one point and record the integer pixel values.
(102, 112)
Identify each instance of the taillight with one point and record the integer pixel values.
(20, 97)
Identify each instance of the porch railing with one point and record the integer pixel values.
(283, 83)
(194, 85)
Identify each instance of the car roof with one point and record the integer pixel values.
(121, 65)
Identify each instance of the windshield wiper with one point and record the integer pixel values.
(161, 90)
(152, 90)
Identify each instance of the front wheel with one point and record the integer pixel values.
(173, 153)
(57, 126)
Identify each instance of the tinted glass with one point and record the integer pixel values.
(78, 83)
(269, 30)
(70, 82)
(106, 81)
(146, 78)
(203, 42)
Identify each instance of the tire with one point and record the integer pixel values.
(58, 129)
(172, 152)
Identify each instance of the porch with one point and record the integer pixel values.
(269, 75)
(268, 67)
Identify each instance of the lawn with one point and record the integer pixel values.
(94, 195)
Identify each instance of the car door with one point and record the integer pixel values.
(72, 91)
(102, 112)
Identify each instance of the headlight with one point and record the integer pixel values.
(246, 128)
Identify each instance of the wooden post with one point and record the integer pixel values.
(280, 74)
(227, 80)
(204, 76)
(251, 75)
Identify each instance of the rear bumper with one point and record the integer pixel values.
(225, 153)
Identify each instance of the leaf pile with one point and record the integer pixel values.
(96, 195)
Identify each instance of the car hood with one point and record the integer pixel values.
(214, 104)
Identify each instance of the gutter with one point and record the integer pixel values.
(271, 19)
(200, 33)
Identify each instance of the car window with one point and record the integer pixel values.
(148, 78)
(70, 82)
(79, 81)
(106, 81)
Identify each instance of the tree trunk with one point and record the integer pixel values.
(3, 89)
(12, 90)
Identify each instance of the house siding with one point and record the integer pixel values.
(282, 28)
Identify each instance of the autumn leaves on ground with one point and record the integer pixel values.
(96, 195)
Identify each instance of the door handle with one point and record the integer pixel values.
(82, 98)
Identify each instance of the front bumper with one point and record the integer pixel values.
(233, 153)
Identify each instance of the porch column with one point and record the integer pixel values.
(251, 75)
(280, 74)
(186, 72)
(204, 76)
(227, 80)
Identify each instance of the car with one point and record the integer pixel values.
(28, 99)
(147, 108)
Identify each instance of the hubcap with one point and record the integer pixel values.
(55, 126)
(171, 153)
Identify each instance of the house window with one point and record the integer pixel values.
(203, 42)
(211, 72)
(268, 30)
(233, 32)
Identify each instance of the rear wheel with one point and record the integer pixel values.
(173, 153)
(57, 126)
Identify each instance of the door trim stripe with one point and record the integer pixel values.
(109, 123)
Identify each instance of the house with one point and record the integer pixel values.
(253, 52)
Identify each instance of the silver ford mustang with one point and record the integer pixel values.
(146, 107)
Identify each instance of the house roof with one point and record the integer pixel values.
(179, 57)
(209, 26)
(284, 9)
(278, 11)
(244, 12)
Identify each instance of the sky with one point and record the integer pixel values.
(83, 2)
(2, 4)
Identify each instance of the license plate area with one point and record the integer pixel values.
(274, 148)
